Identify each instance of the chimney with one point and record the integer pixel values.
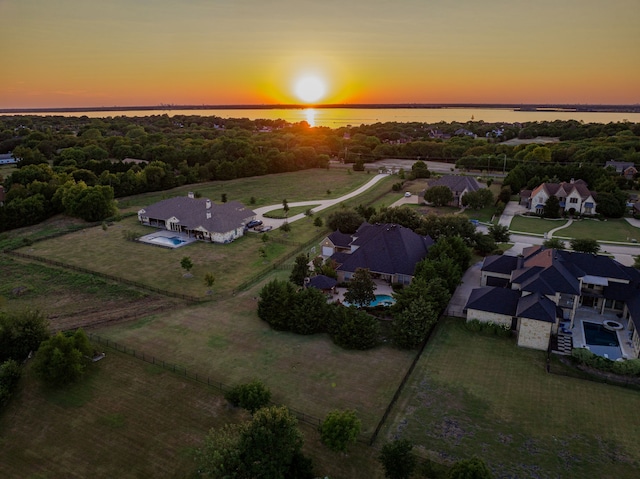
(573, 180)
(208, 215)
(208, 204)
(190, 195)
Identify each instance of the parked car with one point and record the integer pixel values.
(407, 195)
(263, 229)
(254, 223)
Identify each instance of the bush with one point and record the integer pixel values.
(474, 325)
(339, 429)
(9, 376)
(251, 396)
(630, 367)
(353, 329)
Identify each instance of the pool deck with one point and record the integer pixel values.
(382, 287)
(166, 234)
(593, 316)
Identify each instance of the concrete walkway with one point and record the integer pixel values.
(633, 222)
(566, 225)
(317, 205)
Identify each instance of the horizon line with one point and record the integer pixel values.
(584, 107)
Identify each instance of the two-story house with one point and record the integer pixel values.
(575, 197)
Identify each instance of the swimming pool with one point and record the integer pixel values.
(172, 241)
(381, 300)
(601, 341)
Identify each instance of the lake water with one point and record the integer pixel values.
(338, 117)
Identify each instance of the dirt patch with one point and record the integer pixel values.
(541, 140)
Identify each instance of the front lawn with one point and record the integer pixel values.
(475, 394)
(535, 225)
(607, 230)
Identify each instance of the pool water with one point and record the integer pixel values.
(381, 300)
(163, 240)
(601, 341)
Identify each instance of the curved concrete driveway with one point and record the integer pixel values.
(318, 205)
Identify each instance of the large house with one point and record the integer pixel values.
(625, 168)
(574, 195)
(459, 186)
(389, 251)
(547, 292)
(198, 217)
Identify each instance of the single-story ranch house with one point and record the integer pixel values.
(585, 300)
(389, 251)
(574, 195)
(198, 218)
(459, 186)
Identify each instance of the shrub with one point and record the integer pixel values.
(630, 367)
(474, 325)
(251, 396)
(339, 429)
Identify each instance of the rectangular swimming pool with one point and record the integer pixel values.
(601, 341)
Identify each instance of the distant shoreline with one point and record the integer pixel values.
(507, 106)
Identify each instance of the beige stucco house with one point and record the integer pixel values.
(574, 196)
(199, 218)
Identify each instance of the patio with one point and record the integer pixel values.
(593, 316)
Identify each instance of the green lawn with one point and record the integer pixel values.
(294, 210)
(130, 419)
(609, 230)
(474, 394)
(266, 190)
(535, 225)
(228, 342)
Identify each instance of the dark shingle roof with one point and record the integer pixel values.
(500, 264)
(385, 248)
(538, 307)
(192, 213)
(595, 264)
(341, 239)
(457, 183)
(321, 282)
(493, 299)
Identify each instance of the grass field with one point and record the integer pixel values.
(266, 190)
(535, 225)
(130, 419)
(228, 342)
(610, 230)
(473, 394)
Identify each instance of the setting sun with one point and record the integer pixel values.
(310, 89)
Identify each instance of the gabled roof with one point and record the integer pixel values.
(494, 299)
(538, 307)
(192, 213)
(595, 264)
(501, 264)
(341, 239)
(385, 248)
(457, 183)
(321, 282)
(562, 190)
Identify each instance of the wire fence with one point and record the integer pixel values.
(184, 372)
(111, 277)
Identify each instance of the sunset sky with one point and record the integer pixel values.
(69, 53)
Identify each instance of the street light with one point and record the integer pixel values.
(504, 163)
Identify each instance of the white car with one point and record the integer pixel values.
(407, 195)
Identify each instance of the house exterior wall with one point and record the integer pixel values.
(487, 274)
(486, 317)
(533, 334)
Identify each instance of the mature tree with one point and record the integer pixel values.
(499, 233)
(444, 268)
(220, 456)
(411, 326)
(269, 443)
(552, 207)
(553, 243)
(251, 396)
(274, 306)
(317, 222)
(309, 312)
(473, 468)
(62, 359)
(351, 328)
(505, 194)
(360, 289)
(585, 245)
(285, 207)
(10, 373)
(452, 247)
(21, 332)
(397, 460)
(339, 429)
(478, 199)
(300, 269)
(186, 263)
(420, 170)
(438, 195)
(612, 205)
(438, 226)
(401, 215)
(345, 220)
(485, 244)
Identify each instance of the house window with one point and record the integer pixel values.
(573, 200)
